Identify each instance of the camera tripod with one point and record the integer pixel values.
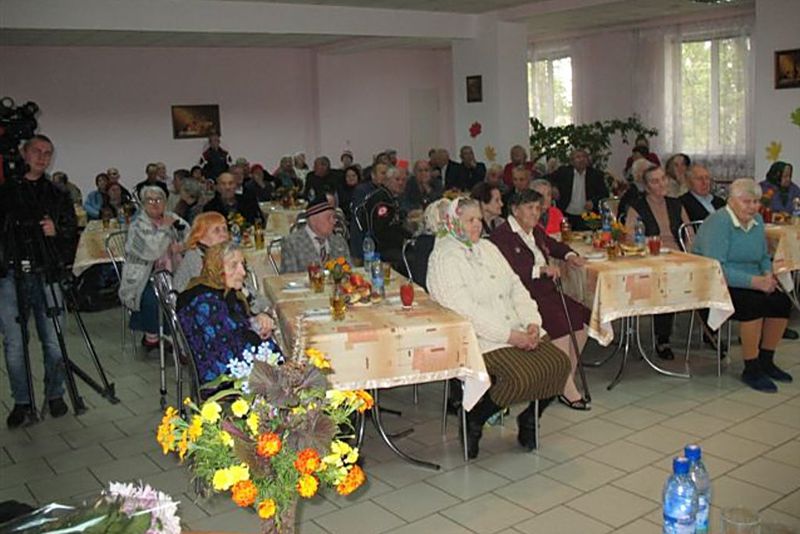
(50, 297)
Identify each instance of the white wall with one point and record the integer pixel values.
(111, 106)
(777, 23)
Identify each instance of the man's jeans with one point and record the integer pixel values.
(35, 292)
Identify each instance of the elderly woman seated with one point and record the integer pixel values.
(315, 240)
(490, 199)
(154, 244)
(662, 216)
(528, 249)
(215, 316)
(778, 183)
(735, 236)
(192, 198)
(470, 276)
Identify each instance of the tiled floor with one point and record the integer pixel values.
(600, 471)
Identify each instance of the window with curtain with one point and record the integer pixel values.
(709, 87)
(550, 90)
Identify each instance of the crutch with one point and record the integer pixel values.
(587, 397)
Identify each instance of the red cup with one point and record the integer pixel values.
(407, 295)
(654, 245)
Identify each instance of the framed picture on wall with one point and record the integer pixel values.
(787, 69)
(190, 122)
(474, 88)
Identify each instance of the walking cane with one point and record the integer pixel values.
(586, 395)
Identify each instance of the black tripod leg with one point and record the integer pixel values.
(107, 389)
(78, 406)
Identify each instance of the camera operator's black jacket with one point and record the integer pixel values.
(22, 206)
(385, 222)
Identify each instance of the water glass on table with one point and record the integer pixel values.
(739, 520)
(338, 304)
(654, 245)
(316, 278)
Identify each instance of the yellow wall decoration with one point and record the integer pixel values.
(774, 150)
(490, 153)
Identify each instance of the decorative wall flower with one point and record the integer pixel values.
(774, 150)
(490, 153)
(796, 117)
(475, 129)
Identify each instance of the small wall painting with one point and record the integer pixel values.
(474, 89)
(190, 122)
(787, 69)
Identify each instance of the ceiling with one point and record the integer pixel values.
(451, 6)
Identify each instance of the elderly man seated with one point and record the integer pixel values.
(420, 189)
(385, 221)
(227, 201)
(735, 237)
(314, 241)
(699, 202)
(581, 187)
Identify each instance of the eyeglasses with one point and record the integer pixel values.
(154, 200)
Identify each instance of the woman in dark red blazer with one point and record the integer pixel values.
(527, 248)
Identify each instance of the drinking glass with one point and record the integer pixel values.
(654, 245)
(407, 295)
(387, 272)
(338, 306)
(740, 520)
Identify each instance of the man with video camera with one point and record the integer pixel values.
(38, 230)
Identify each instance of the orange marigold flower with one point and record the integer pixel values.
(340, 260)
(266, 509)
(366, 399)
(183, 444)
(307, 461)
(269, 444)
(244, 493)
(307, 486)
(352, 481)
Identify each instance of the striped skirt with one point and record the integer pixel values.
(526, 375)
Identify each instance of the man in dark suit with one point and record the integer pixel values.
(226, 201)
(699, 202)
(474, 170)
(451, 173)
(581, 188)
(319, 181)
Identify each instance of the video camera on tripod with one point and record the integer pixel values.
(16, 125)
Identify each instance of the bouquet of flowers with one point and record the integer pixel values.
(766, 198)
(122, 508)
(236, 219)
(276, 437)
(592, 220)
(287, 196)
(338, 267)
(617, 231)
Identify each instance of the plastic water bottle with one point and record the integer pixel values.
(368, 249)
(607, 220)
(638, 233)
(679, 499)
(236, 234)
(699, 475)
(376, 273)
(796, 211)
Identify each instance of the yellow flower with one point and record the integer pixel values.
(187, 401)
(166, 430)
(196, 428)
(222, 480)
(333, 460)
(774, 151)
(210, 412)
(318, 359)
(252, 423)
(266, 509)
(336, 397)
(307, 486)
(239, 472)
(240, 407)
(226, 439)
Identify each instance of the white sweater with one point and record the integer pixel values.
(480, 285)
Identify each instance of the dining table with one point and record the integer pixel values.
(629, 287)
(382, 344)
(280, 218)
(92, 245)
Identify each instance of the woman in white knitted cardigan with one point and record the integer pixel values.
(470, 276)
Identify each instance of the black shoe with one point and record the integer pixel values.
(58, 407)
(790, 334)
(665, 352)
(18, 415)
(526, 423)
(712, 344)
(579, 404)
(776, 373)
(476, 418)
(759, 381)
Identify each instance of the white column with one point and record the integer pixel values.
(499, 55)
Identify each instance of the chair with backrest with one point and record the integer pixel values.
(272, 245)
(685, 233)
(115, 250)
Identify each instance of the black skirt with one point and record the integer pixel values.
(751, 304)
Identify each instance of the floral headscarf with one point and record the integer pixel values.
(453, 223)
(774, 175)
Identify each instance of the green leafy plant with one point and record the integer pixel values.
(558, 141)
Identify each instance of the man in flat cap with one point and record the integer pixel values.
(313, 241)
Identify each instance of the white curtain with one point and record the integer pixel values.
(695, 82)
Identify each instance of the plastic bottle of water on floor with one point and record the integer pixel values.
(699, 475)
(679, 499)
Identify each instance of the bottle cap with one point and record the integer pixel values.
(692, 452)
(680, 465)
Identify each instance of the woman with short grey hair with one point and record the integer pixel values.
(153, 244)
(192, 194)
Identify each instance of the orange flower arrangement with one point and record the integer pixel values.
(354, 479)
(308, 461)
(307, 486)
(269, 444)
(266, 509)
(244, 493)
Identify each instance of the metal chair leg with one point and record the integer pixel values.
(536, 422)
(416, 393)
(444, 406)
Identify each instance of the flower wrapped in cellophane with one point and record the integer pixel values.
(276, 435)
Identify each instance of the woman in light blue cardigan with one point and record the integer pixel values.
(735, 237)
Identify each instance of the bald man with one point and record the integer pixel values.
(699, 202)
